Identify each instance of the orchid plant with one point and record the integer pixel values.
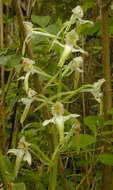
(68, 62)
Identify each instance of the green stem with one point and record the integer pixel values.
(53, 177)
(3, 172)
(59, 89)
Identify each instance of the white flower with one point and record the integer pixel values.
(78, 12)
(96, 91)
(71, 40)
(21, 153)
(77, 64)
(74, 65)
(72, 37)
(28, 64)
(28, 26)
(28, 67)
(67, 50)
(31, 93)
(78, 15)
(27, 101)
(59, 119)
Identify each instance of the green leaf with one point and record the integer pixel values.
(89, 4)
(18, 186)
(82, 140)
(35, 150)
(53, 28)
(11, 61)
(86, 30)
(26, 110)
(40, 20)
(91, 122)
(4, 59)
(106, 158)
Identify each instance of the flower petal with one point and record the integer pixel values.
(70, 116)
(46, 122)
(27, 158)
(14, 151)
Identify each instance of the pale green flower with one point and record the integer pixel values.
(21, 153)
(77, 64)
(27, 101)
(59, 119)
(78, 15)
(71, 40)
(96, 90)
(67, 50)
(28, 26)
(74, 65)
(28, 65)
(78, 12)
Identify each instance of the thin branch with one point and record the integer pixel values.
(2, 108)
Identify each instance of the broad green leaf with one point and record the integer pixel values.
(106, 158)
(91, 122)
(40, 20)
(82, 140)
(53, 28)
(11, 61)
(86, 30)
(4, 59)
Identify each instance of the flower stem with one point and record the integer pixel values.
(59, 89)
(3, 172)
(53, 177)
